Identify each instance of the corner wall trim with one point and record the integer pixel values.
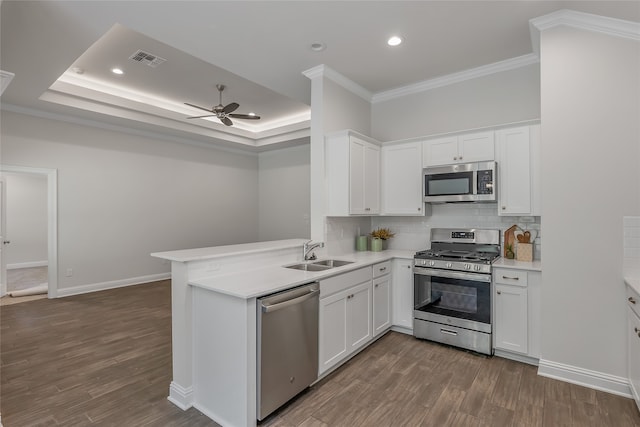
(180, 396)
(585, 377)
(103, 286)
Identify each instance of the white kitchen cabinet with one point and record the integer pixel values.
(402, 295)
(381, 304)
(345, 324)
(463, 148)
(402, 179)
(518, 171)
(352, 171)
(517, 314)
(633, 341)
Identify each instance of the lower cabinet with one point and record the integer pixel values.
(402, 294)
(633, 339)
(517, 312)
(345, 324)
(381, 304)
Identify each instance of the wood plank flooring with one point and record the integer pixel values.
(105, 359)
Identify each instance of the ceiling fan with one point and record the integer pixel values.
(223, 112)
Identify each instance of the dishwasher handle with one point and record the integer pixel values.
(268, 308)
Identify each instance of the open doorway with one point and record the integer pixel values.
(28, 260)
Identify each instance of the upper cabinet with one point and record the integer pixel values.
(518, 157)
(465, 148)
(353, 174)
(402, 179)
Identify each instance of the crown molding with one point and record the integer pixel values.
(584, 21)
(473, 73)
(331, 74)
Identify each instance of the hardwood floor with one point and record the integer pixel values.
(105, 359)
(23, 278)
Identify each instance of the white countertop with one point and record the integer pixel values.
(186, 255)
(518, 265)
(633, 282)
(266, 280)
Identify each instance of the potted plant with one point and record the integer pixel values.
(378, 237)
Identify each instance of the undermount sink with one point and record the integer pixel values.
(333, 262)
(319, 265)
(308, 267)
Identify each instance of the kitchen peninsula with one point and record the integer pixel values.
(213, 293)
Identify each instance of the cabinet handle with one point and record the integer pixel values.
(419, 209)
(367, 209)
(637, 331)
(383, 268)
(376, 285)
(631, 300)
(455, 158)
(510, 278)
(498, 292)
(460, 157)
(408, 266)
(504, 208)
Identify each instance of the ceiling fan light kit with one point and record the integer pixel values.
(223, 113)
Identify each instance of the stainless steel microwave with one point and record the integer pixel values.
(464, 182)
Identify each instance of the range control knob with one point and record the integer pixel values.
(476, 267)
(432, 263)
(449, 265)
(467, 266)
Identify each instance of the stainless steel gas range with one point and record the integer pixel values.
(452, 288)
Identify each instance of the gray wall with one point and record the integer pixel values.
(506, 97)
(283, 184)
(590, 179)
(121, 196)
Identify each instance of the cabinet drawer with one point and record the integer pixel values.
(381, 269)
(343, 281)
(510, 277)
(633, 300)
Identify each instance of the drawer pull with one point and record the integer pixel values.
(499, 293)
(510, 278)
(448, 332)
(631, 300)
(383, 268)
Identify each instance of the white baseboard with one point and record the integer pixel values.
(180, 396)
(585, 377)
(517, 357)
(402, 329)
(29, 264)
(103, 286)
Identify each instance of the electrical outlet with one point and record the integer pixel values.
(69, 272)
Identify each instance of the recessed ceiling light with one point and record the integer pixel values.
(117, 71)
(318, 47)
(394, 41)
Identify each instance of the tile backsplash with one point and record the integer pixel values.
(631, 243)
(412, 233)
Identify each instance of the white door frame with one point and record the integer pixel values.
(52, 220)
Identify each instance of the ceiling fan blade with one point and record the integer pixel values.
(200, 108)
(199, 117)
(231, 107)
(226, 121)
(245, 116)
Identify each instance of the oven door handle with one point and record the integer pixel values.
(452, 274)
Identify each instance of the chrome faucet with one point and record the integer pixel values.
(308, 247)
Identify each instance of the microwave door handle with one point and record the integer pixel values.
(474, 190)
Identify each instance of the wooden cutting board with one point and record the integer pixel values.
(509, 239)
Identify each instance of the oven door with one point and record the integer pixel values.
(451, 297)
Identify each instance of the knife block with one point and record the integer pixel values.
(524, 252)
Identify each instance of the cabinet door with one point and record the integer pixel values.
(511, 318)
(402, 179)
(381, 304)
(633, 361)
(359, 330)
(356, 176)
(514, 171)
(440, 151)
(534, 305)
(402, 293)
(371, 179)
(476, 147)
(333, 330)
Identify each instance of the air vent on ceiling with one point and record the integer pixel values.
(147, 58)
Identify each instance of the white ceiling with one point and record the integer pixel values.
(259, 49)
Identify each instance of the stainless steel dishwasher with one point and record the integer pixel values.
(287, 345)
